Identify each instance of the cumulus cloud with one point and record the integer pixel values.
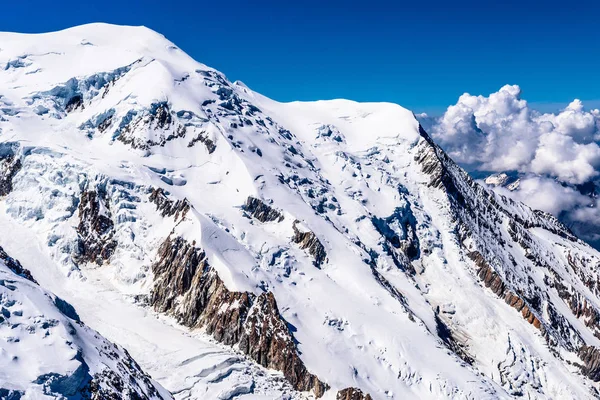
(554, 154)
(501, 132)
(548, 195)
(577, 210)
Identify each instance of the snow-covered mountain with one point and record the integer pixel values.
(47, 352)
(547, 160)
(575, 205)
(243, 248)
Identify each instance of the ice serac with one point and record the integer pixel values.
(325, 248)
(48, 353)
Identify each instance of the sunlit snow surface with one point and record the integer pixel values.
(332, 165)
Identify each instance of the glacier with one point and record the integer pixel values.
(240, 247)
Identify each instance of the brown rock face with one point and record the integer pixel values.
(352, 394)
(309, 241)
(590, 355)
(493, 281)
(9, 166)
(168, 207)
(177, 266)
(95, 229)
(262, 212)
(189, 289)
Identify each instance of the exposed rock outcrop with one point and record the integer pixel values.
(204, 139)
(352, 394)
(10, 164)
(493, 281)
(590, 355)
(444, 332)
(262, 212)
(159, 118)
(167, 207)
(581, 307)
(15, 266)
(309, 241)
(74, 103)
(160, 114)
(127, 136)
(95, 229)
(179, 263)
(189, 289)
(399, 230)
(399, 237)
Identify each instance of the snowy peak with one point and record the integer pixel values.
(38, 60)
(331, 241)
(502, 179)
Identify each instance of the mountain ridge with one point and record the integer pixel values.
(337, 231)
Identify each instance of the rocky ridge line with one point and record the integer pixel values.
(188, 288)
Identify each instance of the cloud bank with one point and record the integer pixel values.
(502, 133)
(557, 155)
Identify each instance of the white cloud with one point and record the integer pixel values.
(547, 195)
(559, 155)
(553, 153)
(501, 132)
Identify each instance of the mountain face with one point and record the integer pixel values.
(547, 160)
(47, 352)
(243, 248)
(579, 218)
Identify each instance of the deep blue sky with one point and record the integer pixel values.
(421, 55)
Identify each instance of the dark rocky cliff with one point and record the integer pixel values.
(188, 288)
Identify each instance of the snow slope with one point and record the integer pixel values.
(47, 352)
(332, 240)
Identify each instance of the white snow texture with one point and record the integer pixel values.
(400, 307)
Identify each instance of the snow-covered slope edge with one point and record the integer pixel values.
(47, 352)
(333, 241)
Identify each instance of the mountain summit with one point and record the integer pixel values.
(239, 247)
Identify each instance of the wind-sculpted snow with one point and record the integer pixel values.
(47, 352)
(331, 241)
